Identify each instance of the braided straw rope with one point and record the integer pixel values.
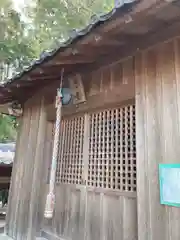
(50, 200)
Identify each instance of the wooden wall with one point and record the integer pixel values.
(156, 72)
(28, 173)
(82, 212)
(158, 136)
(106, 87)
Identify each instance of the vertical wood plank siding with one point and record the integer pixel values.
(22, 217)
(80, 213)
(158, 136)
(93, 211)
(92, 214)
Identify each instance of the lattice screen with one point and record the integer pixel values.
(112, 149)
(70, 164)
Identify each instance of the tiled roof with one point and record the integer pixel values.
(121, 6)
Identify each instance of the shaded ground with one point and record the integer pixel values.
(3, 237)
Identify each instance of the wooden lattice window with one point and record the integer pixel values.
(70, 164)
(112, 149)
(106, 156)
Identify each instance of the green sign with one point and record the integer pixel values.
(169, 178)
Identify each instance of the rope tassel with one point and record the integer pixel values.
(50, 200)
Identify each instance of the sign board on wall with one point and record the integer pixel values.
(169, 177)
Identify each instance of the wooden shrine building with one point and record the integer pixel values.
(7, 151)
(122, 122)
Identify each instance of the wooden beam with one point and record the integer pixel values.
(98, 38)
(49, 72)
(101, 39)
(83, 50)
(70, 60)
(168, 32)
(123, 94)
(133, 46)
(163, 34)
(46, 77)
(139, 13)
(53, 71)
(24, 95)
(140, 44)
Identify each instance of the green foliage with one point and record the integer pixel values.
(42, 25)
(8, 128)
(53, 20)
(4, 196)
(15, 46)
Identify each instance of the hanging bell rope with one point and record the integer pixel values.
(50, 200)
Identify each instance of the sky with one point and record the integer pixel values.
(19, 4)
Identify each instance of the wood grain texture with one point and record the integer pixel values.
(158, 136)
(86, 215)
(105, 87)
(23, 213)
(20, 173)
(9, 217)
(34, 218)
(28, 174)
(82, 212)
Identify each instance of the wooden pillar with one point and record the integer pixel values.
(10, 208)
(33, 221)
(27, 179)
